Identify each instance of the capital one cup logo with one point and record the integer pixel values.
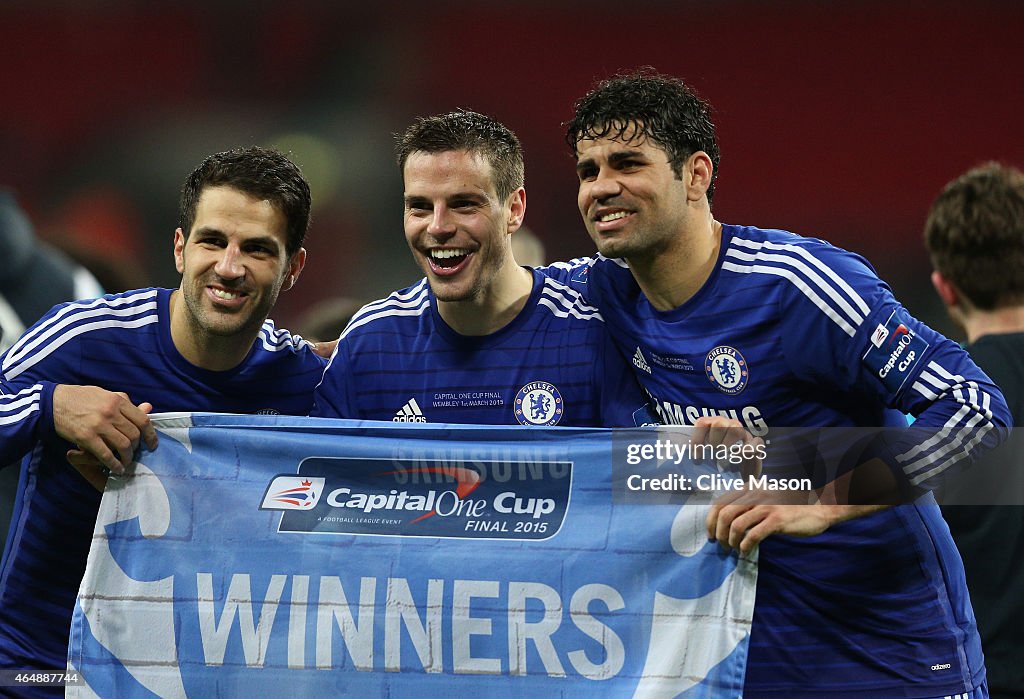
(402, 497)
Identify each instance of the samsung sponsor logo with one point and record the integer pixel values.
(676, 414)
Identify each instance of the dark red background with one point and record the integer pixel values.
(837, 120)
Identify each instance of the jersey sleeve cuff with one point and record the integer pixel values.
(45, 426)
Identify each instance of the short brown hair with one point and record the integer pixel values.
(259, 172)
(472, 132)
(975, 235)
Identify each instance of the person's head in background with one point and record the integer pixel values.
(34, 275)
(528, 249)
(324, 320)
(975, 236)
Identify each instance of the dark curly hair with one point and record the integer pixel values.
(651, 105)
(468, 131)
(259, 172)
(975, 235)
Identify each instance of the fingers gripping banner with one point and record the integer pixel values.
(270, 556)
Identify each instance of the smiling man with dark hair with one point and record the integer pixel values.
(786, 331)
(77, 379)
(480, 339)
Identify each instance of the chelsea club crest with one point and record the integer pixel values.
(727, 369)
(538, 403)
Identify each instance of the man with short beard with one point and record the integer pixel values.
(79, 376)
(853, 600)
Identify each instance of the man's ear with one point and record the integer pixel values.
(699, 169)
(295, 266)
(516, 209)
(179, 251)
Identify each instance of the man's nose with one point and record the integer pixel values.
(229, 265)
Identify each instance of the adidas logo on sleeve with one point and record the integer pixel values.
(410, 412)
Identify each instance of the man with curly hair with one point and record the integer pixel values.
(785, 331)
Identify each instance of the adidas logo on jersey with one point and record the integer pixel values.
(639, 362)
(410, 412)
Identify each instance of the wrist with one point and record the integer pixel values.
(841, 513)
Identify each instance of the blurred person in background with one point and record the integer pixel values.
(80, 383)
(975, 237)
(34, 276)
(528, 249)
(324, 320)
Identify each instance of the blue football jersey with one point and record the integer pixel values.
(793, 332)
(121, 343)
(553, 364)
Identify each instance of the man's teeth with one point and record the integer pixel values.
(447, 253)
(612, 217)
(226, 295)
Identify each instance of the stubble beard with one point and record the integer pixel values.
(208, 322)
(616, 247)
(444, 293)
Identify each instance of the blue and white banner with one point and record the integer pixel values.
(279, 556)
